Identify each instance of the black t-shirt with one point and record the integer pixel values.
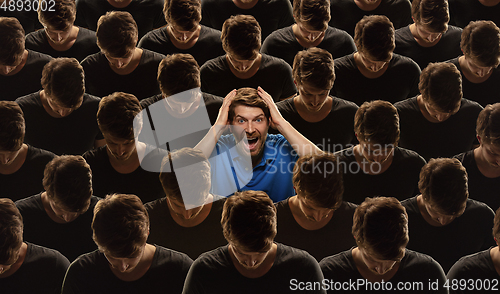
(283, 44)
(106, 180)
(483, 93)
(101, 80)
(455, 135)
(91, 273)
(148, 14)
(42, 272)
(334, 237)
(71, 239)
(208, 46)
(271, 14)
(400, 180)
(334, 133)
(481, 188)
(27, 180)
(72, 134)
(447, 48)
(462, 12)
(478, 267)
(346, 14)
(397, 83)
(467, 234)
(28, 19)
(84, 45)
(214, 272)
(27, 80)
(193, 241)
(274, 76)
(415, 268)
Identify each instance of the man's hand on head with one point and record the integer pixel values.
(276, 120)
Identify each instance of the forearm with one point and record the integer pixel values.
(300, 144)
(207, 144)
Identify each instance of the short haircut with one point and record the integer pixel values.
(248, 97)
(67, 180)
(241, 37)
(12, 126)
(496, 225)
(481, 41)
(315, 13)
(315, 67)
(117, 33)
(184, 13)
(377, 122)
(249, 221)
(488, 124)
(63, 79)
(178, 73)
(374, 36)
(60, 17)
(318, 178)
(443, 184)
(12, 38)
(120, 225)
(186, 163)
(380, 226)
(441, 86)
(431, 13)
(116, 115)
(11, 231)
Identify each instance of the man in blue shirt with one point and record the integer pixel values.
(249, 158)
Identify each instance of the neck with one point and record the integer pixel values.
(245, 4)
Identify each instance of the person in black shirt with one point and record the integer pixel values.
(462, 12)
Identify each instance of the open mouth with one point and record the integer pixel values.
(252, 143)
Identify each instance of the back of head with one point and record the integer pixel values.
(488, 124)
(374, 36)
(186, 14)
(481, 41)
(318, 178)
(315, 67)
(377, 122)
(67, 180)
(12, 126)
(12, 38)
(380, 226)
(431, 13)
(496, 225)
(441, 86)
(120, 225)
(11, 231)
(178, 73)
(117, 33)
(241, 37)
(443, 184)
(116, 115)
(248, 97)
(63, 79)
(249, 221)
(185, 176)
(60, 17)
(314, 13)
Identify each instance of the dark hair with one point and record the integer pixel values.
(249, 221)
(374, 36)
(441, 86)
(117, 33)
(116, 115)
(68, 182)
(241, 36)
(120, 225)
(12, 126)
(248, 97)
(380, 226)
(61, 16)
(488, 124)
(12, 38)
(63, 79)
(431, 13)
(315, 67)
(377, 122)
(184, 13)
(481, 40)
(178, 73)
(496, 225)
(315, 13)
(443, 183)
(317, 178)
(11, 231)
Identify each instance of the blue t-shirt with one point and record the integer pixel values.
(232, 172)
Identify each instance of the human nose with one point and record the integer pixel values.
(123, 266)
(4, 159)
(442, 116)
(7, 69)
(250, 128)
(187, 213)
(444, 220)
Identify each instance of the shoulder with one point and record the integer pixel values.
(407, 62)
(411, 204)
(52, 259)
(345, 104)
(37, 57)
(269, 61)
(476, 265)
(29, 203)
(39, 154)
(95, 154)
(340, 262)
(479, 208)
(173, 258)
(293, 257)
(416, 260)
(403, 33)
(92, 59)
(344, 61)
(29, 100)
(214, 63)
(151, 100)
(151, 56)
(470, 105)
(410, 156)
(409, 104)
(286, 105)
